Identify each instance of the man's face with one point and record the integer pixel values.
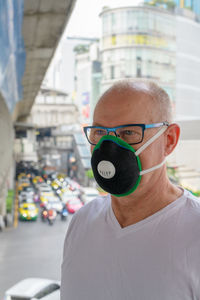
(131, 107)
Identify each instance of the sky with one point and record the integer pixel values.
(85, 20)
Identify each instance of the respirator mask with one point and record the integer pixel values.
(117, 166)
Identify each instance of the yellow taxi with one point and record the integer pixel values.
(45, 196)
(21, 175)
(23, 182)
(28, 211)
(37, 179)
(61, 177)
(55, 184)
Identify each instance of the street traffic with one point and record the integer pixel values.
(49, 196)
(32, 252)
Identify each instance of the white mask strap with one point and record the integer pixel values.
(151, 140)
(153, 168)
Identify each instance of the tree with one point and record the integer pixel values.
(89, 174)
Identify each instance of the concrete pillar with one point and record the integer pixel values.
(6, 152)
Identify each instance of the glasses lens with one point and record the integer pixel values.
(95, 134)
(130, 134)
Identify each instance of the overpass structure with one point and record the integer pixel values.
(29, 34)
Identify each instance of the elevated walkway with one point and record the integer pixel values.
(43, 24)
(32, 30)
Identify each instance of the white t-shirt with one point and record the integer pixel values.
(157, 258)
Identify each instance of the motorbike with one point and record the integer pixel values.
(64, 214)
(49, 215)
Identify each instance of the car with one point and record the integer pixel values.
(45, 196)
(55, 184)
(73, 185)
(29, 190)
(36, 198)
(55, 204)
(69, 195)
(74, 205)
(26, 200)
(34, 288)
(37, 179)
(28, 211)
(23, 182)
(44, 188)
(21, 175)
(88, 194)
(25, 197)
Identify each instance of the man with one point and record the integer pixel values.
(142, 241)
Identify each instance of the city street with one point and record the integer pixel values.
(33, 249)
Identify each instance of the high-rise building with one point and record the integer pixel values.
(154, 43)
(139, 42)
(193, 5)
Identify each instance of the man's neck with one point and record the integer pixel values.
(133, 208)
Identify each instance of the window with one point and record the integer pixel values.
(112, 72)
(130, 20)
(138, 66)
(113, 39)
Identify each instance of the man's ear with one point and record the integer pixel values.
(172, 136)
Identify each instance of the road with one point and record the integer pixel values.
(33, 249)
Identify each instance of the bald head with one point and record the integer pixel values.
(143, 96)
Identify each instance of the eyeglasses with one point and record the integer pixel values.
(131, 133)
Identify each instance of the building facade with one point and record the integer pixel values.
(52, 109)
(139, 42)
(187, 69)
(157, 44)
(87, 81)
(193, 5)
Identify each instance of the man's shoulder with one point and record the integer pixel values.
(188, 228)
(93, 208)
(192, 203)
(189, 217)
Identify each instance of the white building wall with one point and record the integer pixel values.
(47, 115)
(188, 68)
(83, 84)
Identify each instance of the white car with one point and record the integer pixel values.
(55, 203)
(23, 180)
(69, 195)
(44, 188)
(33, 289)
(88, 194)
(25, 197)
(28, 190)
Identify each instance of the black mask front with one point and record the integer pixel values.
(115, 166)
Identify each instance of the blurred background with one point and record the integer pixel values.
(56, 59)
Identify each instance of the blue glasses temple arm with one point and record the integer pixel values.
(145, 125)
(156, 125)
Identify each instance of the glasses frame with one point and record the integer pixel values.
(113, 129)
